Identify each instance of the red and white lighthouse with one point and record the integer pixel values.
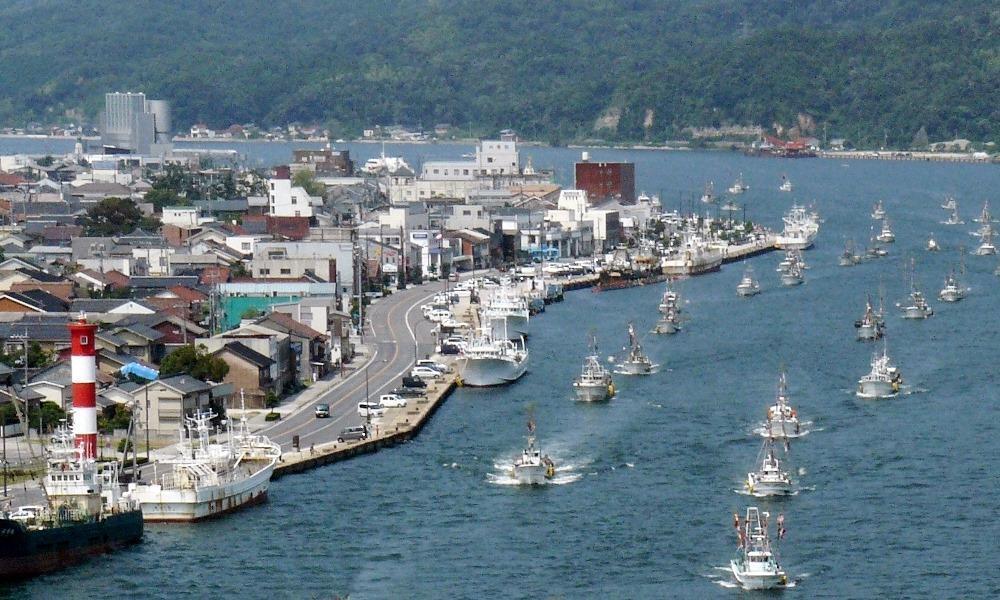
(84, 374)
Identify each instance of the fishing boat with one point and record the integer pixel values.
(206, 478)
(848, 258)
(708, 196)
(487, 360)
(782, 420)
(668, 323)
(594, 384)
(756, 566)
(953, 218)
(932, 245)
(875, 249)
(694, 256)
(506, 312)
(871, 325)
(878, 211)
(792, 269)
(85, 515)
(801, 228)
(531, 468)
(635, 363)
(883, 381)
(886, 236)
(950, 204)
(952, 291)
(786, 184)
(739, 186)
(917, 306)
(769, 479)
(986, 247)
(748, 286)
(671, 300)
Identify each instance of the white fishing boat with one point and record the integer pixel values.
(506, 312)
(635, 362)
(932, 245)
(594, 384)
(748, 285)
(531, 468)
(886, 236)
(986, 247)
(782, 420)
(801, 228)
(769, 479)
(207, 478)
(878, 211)
(792, 273)
(786, 184)
(739, 186)
(950, 204)
(488, 361)
(871, 325)
(693, 257)
(667, 324)
(671, 300)
(883, 381)
(953, 218)
(952, 290)
(756, 567)
(708, 196)
(916, 307)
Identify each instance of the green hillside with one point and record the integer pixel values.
(548, 69)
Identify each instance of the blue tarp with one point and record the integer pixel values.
(140, 371)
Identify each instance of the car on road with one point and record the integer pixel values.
(322, 411)
(425, 373)
(413, 382)
(392, 401)
(433, 364)
(371, 409)
(358, 432)
(439, 314)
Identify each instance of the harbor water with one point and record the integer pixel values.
(896, 498)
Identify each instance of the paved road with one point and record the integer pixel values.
(397, 332)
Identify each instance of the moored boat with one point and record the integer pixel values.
(488, 361)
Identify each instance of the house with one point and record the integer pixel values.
(32, 301)
(169, 400)
(273, 344)
(320, 313)
(54, 384)
(142, 341)
(286, 200)
(250, 373)
(310, 346)
(114, 306)
(91, 280)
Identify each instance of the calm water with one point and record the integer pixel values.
(899, 497)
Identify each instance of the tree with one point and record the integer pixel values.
(164, 197)
(195, 361)
(115, 216)
(37, 357)
(307, 181)
(250, 313)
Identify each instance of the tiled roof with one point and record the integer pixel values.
(286, 321)
(248, 354)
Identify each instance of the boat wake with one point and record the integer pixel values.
(565, 473)
(745, 492)
(762, 431)
(728, 582)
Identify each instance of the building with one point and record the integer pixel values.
(133, 125)
(606, 180)
(286, 200)
(324, 163)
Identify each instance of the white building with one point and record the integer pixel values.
(286, 200)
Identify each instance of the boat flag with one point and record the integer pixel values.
(781, 526)
(531, 426)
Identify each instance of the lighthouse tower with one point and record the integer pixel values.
(84, 374)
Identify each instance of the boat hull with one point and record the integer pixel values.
(635, 368)
(788, 280)
(869, 332)
(530, 474)
(487, 372)
(759, 487)
(509, 327)
(876, 389)
(780, 429)
(597, 392)
(161, 505)
(757, 581)
(912, 312)
(950, 296)
(747, 290)
(783, 242)
(25, 554)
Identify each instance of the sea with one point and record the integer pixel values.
(896, 498)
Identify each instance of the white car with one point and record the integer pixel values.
(425, 373)
(438, 314)
(439, 367)
(370, 409)
(392, 401)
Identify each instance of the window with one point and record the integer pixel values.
(467, 213)
(272, 186)
(286, 271)
(435, 171)
(295, 200)
(245, 245)
(298, 213)
(465, 171)
(489, 159)
(84, 340)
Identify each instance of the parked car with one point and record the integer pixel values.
(322, 411)
(453, 277)
(370, 409)
(425, 373)
(447, 348)
(358, 432)
(408, 392)
(439, 314)
(440, 368)
(392, 401)
(413, 382)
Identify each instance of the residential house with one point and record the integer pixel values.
(171, 399)
(311, 347)
(142, 341)
(250, 373)
(273, 344)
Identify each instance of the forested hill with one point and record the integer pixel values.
(559, 71)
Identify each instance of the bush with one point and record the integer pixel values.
(272, 416)
(124, 445)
